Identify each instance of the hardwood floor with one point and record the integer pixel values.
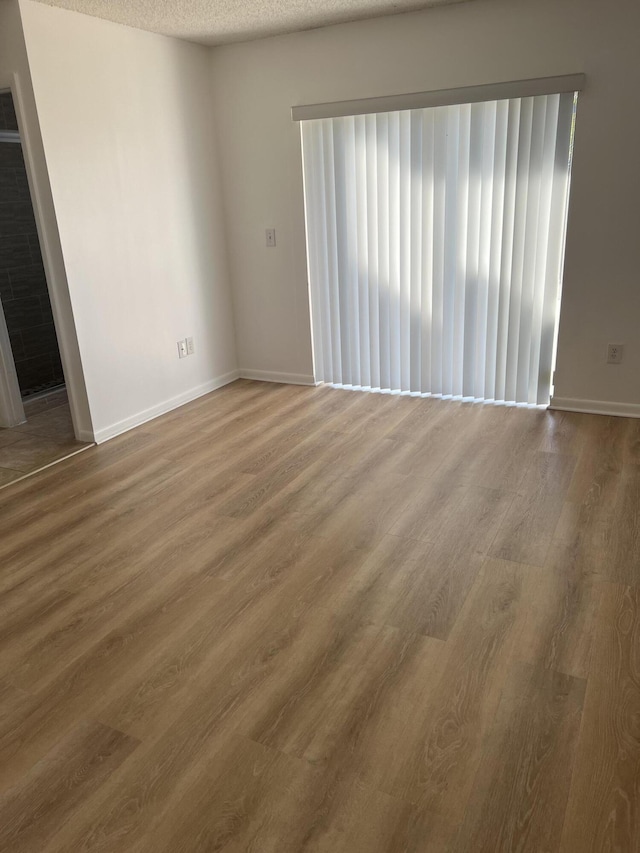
(285, 618)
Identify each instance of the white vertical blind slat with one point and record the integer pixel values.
(523, 173)
(351, 261)
(483, 324)
(542, 249)
(425, 322)
(415, 247)
(497, 176)
(555, 249)
(438, 335)
(472, 284)
(315, 255)
(450, 280)
(435, 247)
(333, 312)
(530, 246)
(461, 241)
(384, 241)
(407, 238)
(371, 208)
(393, 283)
(506, 263)
(344, 248)
(361, 199)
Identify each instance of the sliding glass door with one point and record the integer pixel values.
(435, 245)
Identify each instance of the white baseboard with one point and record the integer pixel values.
(162, 408)
(595, 407)
(270, 376)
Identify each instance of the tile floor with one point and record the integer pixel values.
(46, 437)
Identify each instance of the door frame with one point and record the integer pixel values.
(11, 408)
(55, 275)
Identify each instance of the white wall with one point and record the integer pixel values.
(255, 84)
(128, 131)
(14, 74)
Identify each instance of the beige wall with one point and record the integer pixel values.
(255, 84)
(128, 131)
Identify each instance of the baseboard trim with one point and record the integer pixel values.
(140, 418)
(272, 376)
(595, 407)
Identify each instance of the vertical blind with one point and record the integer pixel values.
(435, 242)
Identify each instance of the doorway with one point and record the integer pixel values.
(40, 430)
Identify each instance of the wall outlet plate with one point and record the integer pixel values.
(615, 353)
(190, 346)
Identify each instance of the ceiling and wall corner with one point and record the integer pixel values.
(212, 22)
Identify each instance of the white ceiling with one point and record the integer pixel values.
(219, 21)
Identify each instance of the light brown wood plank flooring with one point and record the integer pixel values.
(285, 619)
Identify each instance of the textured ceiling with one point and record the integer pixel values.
(218, 21)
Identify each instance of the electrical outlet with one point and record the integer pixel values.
(182, 349)
(190, 346)
(270, 234)
(615, 353)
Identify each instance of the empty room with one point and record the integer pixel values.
(319, 426)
